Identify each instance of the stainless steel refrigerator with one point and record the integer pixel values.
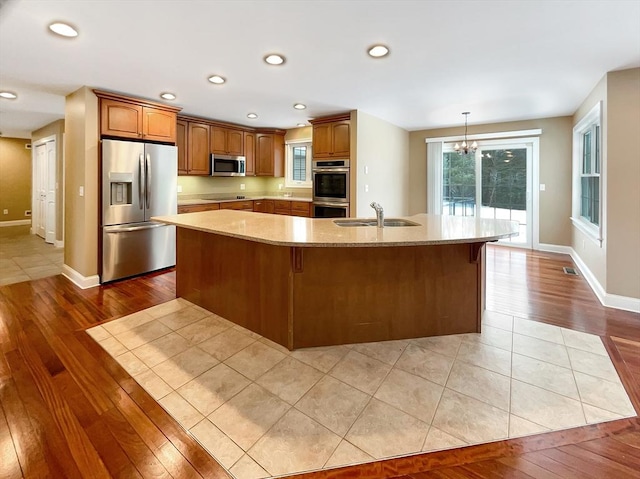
(139, 180)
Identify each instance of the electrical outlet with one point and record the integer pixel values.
(543, 187)
(179, 188)
(242, 186)
(280, 186)
(366, 188)
(5, 212)
(81, 191)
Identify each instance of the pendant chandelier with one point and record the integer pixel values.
(465, 148)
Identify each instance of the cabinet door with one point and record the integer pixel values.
(158, 125)
(282, 207)
(235, 143)
(341, 139)
(264, 206)
(250, 153)
(264, 154)
(198, 149)
(237, 205)
(300, 208)
(120, 119)
(218, 140)
(322, 140)
(181, 143)
(278, 155)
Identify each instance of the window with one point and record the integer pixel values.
(298, 164)
(587, 163)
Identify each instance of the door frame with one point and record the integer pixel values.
(434, 182)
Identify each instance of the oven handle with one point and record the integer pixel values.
(327, 203)
(330, 170)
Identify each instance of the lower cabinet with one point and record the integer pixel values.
(196, 208)
(264, 206)
(246, 205)
(300, 208)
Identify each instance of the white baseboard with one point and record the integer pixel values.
(58, 244)
(609, 300)
(15, 223)
(83, 282)
(555, 248)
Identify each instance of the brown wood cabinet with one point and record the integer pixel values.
(181, 142)
(196, 208)
(269, 154)
(332, 137)
(198, 162)
(125, 117)
(227, 141)
(250, 153)
(246, 205)
(282, 207)
(301, 208)
(264, 206)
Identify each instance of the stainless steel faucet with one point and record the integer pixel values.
(379, 213)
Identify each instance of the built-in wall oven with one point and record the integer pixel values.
(330, 188)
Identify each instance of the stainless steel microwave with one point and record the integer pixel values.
(224, 165)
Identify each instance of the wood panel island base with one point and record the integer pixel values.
(308, 282)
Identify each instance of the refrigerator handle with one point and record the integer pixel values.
(147, 177)
(140, 173)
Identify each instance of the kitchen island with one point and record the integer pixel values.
(304, 282)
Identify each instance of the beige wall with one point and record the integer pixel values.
(55, 129)
(382, 150)
(81, 169)
(15, 178)
(554, 171)
(623, 183)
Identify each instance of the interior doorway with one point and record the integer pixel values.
(45, 183)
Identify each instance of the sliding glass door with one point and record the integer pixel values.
(495, 182)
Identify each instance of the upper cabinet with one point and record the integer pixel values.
(332, 137)
(270, 154)
(198, 160)
(181, 143)
(125, 117)
(227, 141)
(250, 153)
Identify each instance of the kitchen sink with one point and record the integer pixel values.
(392, 222)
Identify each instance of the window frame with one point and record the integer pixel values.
(288, 180)
(590, 124)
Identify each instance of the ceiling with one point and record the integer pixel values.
(500, 60)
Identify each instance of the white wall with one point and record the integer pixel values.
(383, 150)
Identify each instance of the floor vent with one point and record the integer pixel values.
(568, 270)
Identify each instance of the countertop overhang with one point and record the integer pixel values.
(323, 232)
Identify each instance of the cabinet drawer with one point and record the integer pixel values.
(300, 207)
(282, 207)
(196, 208)
(237, 205)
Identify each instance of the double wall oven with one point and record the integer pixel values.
(330, 188)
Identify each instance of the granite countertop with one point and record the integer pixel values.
(201, 201)
(317, 232)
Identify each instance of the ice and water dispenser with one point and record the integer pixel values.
(121, 186)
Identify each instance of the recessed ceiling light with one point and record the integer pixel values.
(9, 95)
(63, 29)
(378, 51)
(167, 96)
(274, 59)
(301, 124)
(299, 106)
(217, 79)
(253, 116)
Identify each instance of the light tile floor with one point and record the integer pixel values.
(263, 411)
(24, 256)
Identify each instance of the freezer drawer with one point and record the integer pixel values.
(128, 250)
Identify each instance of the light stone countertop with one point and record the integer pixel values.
(200, 201)
(323, 232)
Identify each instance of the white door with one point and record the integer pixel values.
(39, 190)
(51, 186)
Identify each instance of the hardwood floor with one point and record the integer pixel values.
(69, 410)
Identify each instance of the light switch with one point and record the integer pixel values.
(81, 191)
(543, 187)
(366, 170)
(366, 188)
